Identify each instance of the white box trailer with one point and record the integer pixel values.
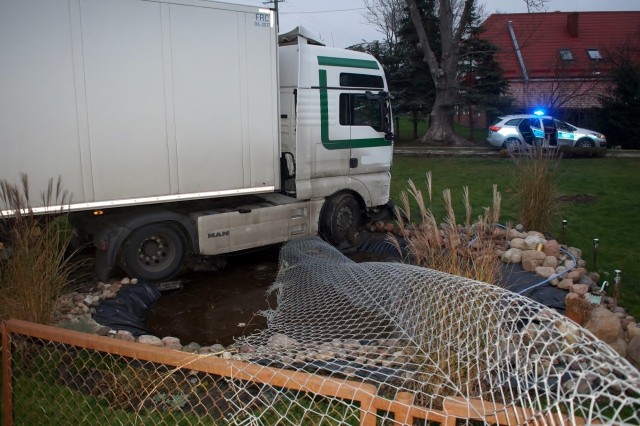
(163, 119)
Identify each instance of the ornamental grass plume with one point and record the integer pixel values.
(36, 265)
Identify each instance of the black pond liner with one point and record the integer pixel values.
(127, 310)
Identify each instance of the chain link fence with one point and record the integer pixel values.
(370, 344)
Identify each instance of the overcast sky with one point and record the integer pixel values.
(340, 23)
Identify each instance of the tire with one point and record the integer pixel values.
(154, 252)
(512, 145)
(340, 219)
(585, 143)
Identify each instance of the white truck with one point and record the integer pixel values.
(181, 127)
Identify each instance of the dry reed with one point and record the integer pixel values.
(36, 266)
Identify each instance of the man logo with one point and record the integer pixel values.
(218, 234)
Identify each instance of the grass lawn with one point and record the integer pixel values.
(405, 132)
(611, 215)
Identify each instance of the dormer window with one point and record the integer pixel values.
(566, 55)
(594, 54)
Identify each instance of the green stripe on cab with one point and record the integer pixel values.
(347, 62)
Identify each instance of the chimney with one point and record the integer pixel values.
(572, 24)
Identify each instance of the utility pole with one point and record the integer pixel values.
(275, 7)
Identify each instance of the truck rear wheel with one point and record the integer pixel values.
(341, 217)
(154, 252)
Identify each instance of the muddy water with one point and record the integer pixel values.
(216, 307)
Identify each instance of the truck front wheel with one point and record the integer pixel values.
(154, 252)
(341, 217)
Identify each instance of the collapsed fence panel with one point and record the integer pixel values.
(348, 343)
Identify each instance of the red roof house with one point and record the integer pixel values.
(559, 60)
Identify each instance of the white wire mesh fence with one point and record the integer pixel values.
(371, 343)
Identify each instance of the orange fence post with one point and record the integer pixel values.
(7, 390)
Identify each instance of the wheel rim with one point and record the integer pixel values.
(155, 252)
(344, 220)
(512, 144)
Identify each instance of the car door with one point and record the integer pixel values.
(566, 135)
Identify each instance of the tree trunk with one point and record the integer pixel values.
(415, 124)
(441, 117)
(472, 123)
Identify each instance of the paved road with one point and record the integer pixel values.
(431, 151)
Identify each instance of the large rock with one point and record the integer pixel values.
(550, 262)
(565, 284)
(604, 324)
(514, 233)
(633, 330)
(576, 274)
(552, 248)
(576, 252)
(518, 243)
(513, 255)
(633, 351)
(148, 339)
(620, 346)
(545, 271)
(532, 241)
(279, 340)
(579, 289)
(125, 335)
(532, 259)
(171, 342)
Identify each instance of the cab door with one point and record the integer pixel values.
(370, 150)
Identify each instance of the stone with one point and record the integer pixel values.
(595, 277)
(532, 241)
(280, 340)
(531, 259)
(216, 348)
(576, 252)
(604, 324)
(633, 331)
(171, 342)
(619, 310)
(579, 289)
(102, 330)
(518, 243)
(633, 351)
(620, 346)
(552, 248)
(550, 262)
(192, 347)
(561, 269)
(226, 355)
(513, 255)
(586, 281)
(576, 274)
(125, 335)
(147, 339)
(581, 263)
(134, 281)
(544, 271)
(125, 281)
(554, 282)
(565, 284)
(515, 233)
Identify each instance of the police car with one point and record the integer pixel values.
(513, 131)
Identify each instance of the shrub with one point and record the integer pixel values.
(535, 187)
(466, 250)
(36, 265)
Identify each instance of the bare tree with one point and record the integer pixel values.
(536, 5)
(386, 16)
(444, 70)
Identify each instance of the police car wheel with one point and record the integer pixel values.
(585, 143)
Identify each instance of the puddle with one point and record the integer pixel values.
(217, 307)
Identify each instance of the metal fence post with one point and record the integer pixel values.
(7, 389)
